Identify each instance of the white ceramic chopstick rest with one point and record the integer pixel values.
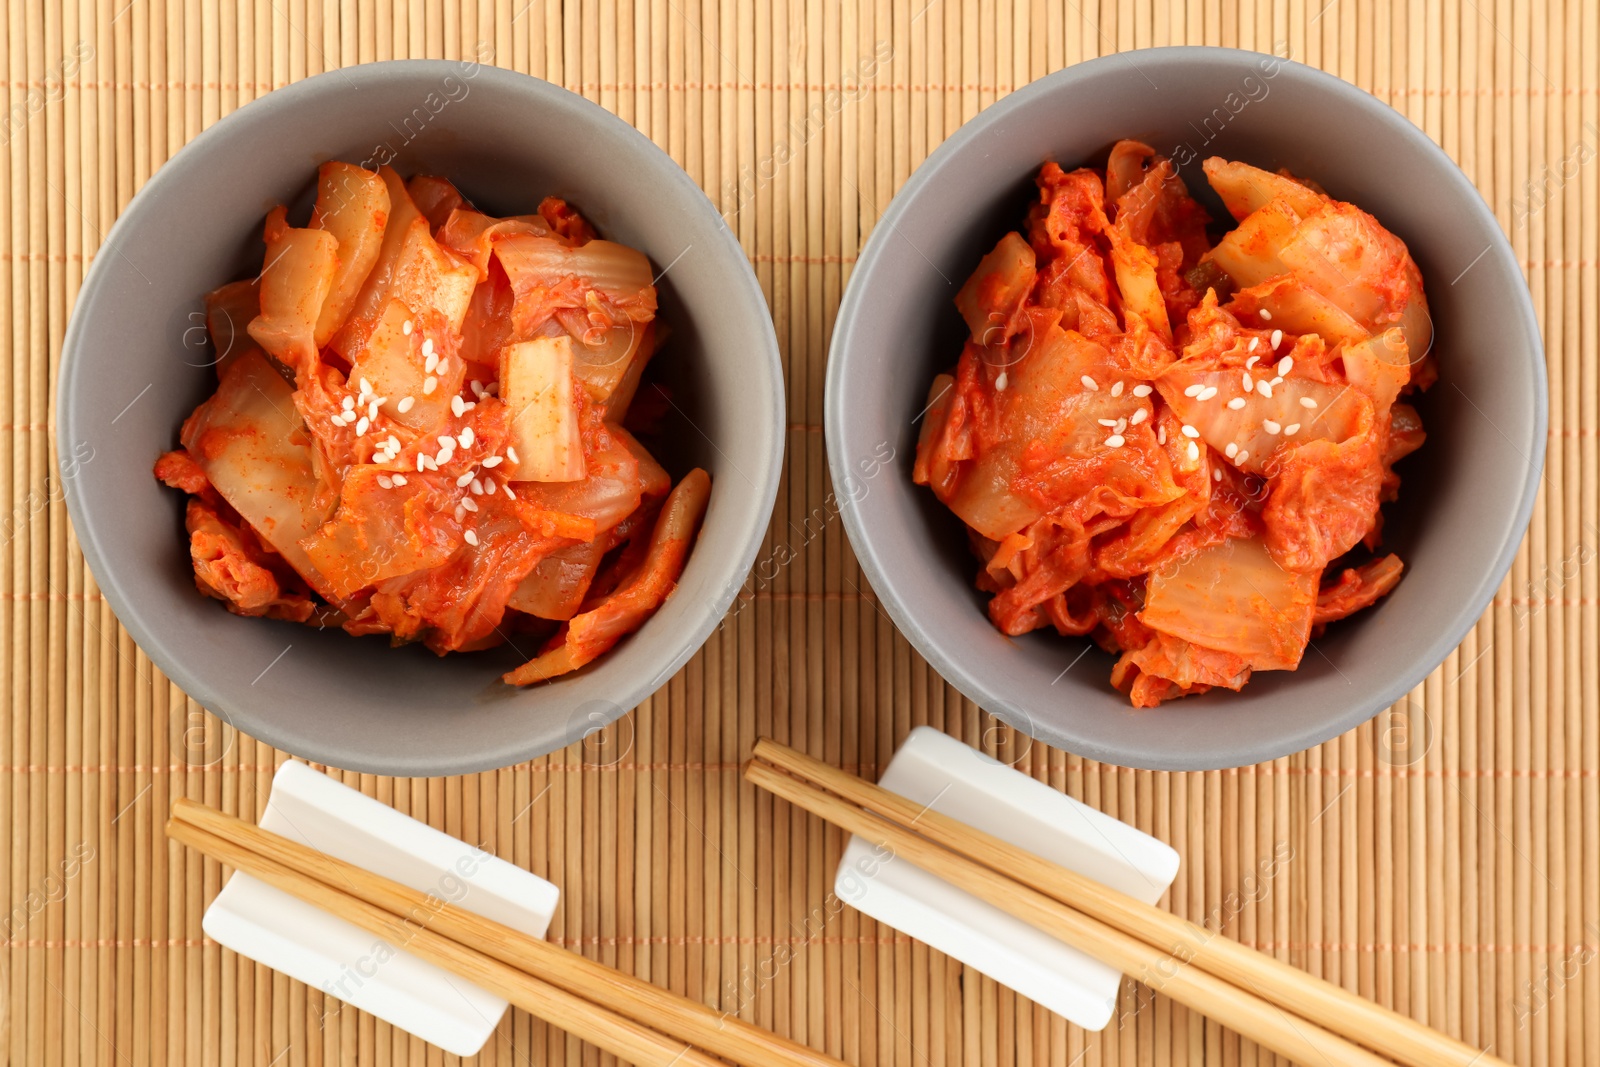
(287, 934)
(954, 779)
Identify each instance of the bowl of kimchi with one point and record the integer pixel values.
(1215, 404)
(468, 407)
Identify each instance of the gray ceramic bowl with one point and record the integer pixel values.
(135, 365)
(1467, 493)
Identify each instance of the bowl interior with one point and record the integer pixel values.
(137, 363)
(1466, 495)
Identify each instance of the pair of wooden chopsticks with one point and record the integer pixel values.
(639, 1022)
(1284, 1009)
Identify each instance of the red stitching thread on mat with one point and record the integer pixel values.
(742, 86)
(723, 766)
(728, 939)
(51, 597)
(713, 940)
(809, 260)
(864, 769)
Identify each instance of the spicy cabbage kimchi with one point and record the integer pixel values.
(1175, 446)
(423, 426)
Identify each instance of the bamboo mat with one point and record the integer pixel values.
(1444, 859)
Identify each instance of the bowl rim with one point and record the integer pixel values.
(878, 568)
(147, 627)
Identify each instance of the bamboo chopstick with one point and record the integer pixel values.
(1050, 897)
(255, 850)
(600, 1026)
(1249, 1014)
(1321, 1002)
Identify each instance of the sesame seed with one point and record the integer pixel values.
(446, 441)
(1291, 429)
(361, 426)
(1161, 435)
(428, 462)
(511, 454)
(364, 385)
(372, 410)
(431, 364)
(385, 481)
(349, 403)
(1089, 383)
(442, 457)
(429, 384)
(510, 494)
(492, 388)
(1271, 427)
(1254, 341)
(1114, 441)
(406, 327)
(1216, 474)
(1266, 316)
(476, 487)
(1264, 389)
(1276, 381)
(464, 480)
(1194, 451)
(467, 437)
(405, 404)
(1116, 388)
(1193, 390)
(1001, 380)
(488, 487)
(421, 459)
(1236, 403)
(492, 461)
(1277, 338)
(393, 443)
(455, 406)
(461, 513)
(427, 347)
(1231, 451)
(1142, 390)
(469, 503)
(1248, 382)
(1122, 424)
(398, 479)
(1107, 422)
(477, 388)
(1285, 365)
(1207, 393)
(1190, 431)
(1241, 457)
(1138, 416)
(472, 538)
(337, 420)
(1252, 361)
(1307, 402)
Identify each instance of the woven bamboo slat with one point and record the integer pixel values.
(1443, 860)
